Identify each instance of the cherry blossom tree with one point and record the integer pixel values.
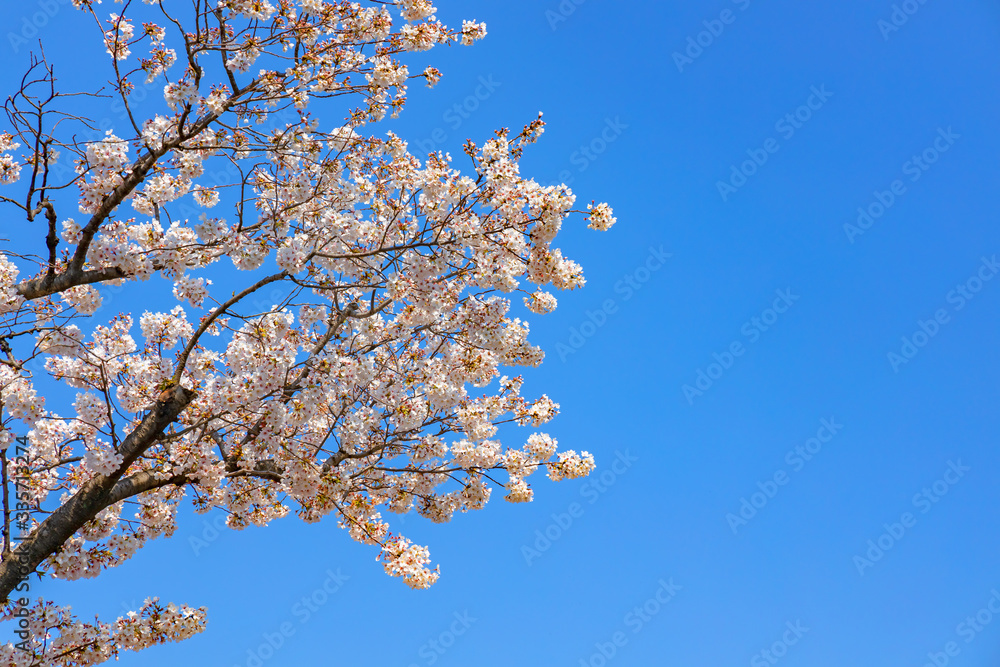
(348, 361)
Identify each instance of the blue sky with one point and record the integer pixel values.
(650, 561)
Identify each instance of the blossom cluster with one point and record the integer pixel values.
(116, 37)
(104, 162)
(10, 169)
(56, 637)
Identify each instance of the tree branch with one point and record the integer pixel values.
(93, 496)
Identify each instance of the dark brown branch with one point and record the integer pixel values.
(52, 239)
(93, 496)
(141, 482)
(42, 286)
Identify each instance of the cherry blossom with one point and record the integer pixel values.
(342, 337)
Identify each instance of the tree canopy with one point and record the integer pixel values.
(349, 359)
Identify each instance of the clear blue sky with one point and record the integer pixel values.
(910, 440)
